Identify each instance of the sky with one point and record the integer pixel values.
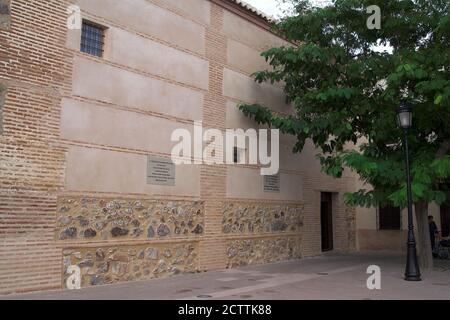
(272, 7)
(269, 7)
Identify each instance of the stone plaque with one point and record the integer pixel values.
(272, 183)
(160, 171)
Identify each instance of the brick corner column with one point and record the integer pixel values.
(213, 178)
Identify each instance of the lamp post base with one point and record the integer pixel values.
(413, 279)
(412, 272)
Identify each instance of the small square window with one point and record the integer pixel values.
(390, 218)
(92, 38)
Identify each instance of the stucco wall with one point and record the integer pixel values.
(144, 17)
(127, 88)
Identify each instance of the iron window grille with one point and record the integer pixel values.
(92, 38)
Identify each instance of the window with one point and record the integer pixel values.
(236, 155)
(239, 155)
(389, 218)
(92, 38)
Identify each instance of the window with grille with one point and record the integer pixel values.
(389, 218)
(92, 38)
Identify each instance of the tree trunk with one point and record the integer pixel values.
(423, 236)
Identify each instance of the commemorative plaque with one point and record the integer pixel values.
(272, 183)
(160, 171)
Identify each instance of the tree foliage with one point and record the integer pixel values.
(345, 90)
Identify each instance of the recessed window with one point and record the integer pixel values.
(239, 155)
(389, 218)
(92, 38)
(236, 155)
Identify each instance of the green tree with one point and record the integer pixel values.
(345, 90)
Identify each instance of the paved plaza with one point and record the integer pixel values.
(334, 276)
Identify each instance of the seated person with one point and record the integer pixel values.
(445, 241)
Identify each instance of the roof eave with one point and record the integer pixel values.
(247, 12)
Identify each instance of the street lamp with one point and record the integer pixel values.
(412, 273)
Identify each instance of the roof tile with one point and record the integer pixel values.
(254, 10)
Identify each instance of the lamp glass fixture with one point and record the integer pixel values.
(404, 116)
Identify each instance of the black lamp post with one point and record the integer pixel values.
(412, 273)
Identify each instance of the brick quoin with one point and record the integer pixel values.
(35, 70)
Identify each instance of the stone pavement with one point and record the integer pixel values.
(333, 276)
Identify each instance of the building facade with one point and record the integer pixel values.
(86, 117)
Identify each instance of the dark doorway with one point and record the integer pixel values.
(445, 219)
(326, 218)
